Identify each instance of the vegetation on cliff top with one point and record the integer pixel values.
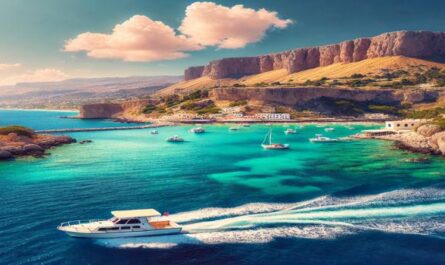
(19, 130)
(197, 101)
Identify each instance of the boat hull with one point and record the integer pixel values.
(275, 147)
(155, 232)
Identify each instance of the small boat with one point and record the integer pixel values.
(267, 143)
(198, 130)
(175, 139)
(290, 131)
(154, 132)
(234, 128)
(130, 223)
(246, 125)
(322, 139)
(330, 129)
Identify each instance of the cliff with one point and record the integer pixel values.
(100, 110)
(124, 111)
(299, 96)
(416, 44)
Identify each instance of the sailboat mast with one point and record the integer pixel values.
(270, 135)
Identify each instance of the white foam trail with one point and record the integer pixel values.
(400, 211)
(250, 236)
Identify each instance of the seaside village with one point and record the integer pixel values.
(228, 114)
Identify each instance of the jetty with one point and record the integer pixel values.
(116, 128)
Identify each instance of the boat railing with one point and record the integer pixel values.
(78, 222)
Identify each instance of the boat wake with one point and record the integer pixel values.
(409, 211)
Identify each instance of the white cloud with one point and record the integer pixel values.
(228, 27)
(39, 75)
(5, 66)
(205, 24)
(137, 39)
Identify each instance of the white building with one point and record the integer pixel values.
(404, 125)
(273, 116)
(231, 110)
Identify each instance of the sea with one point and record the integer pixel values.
(357, 202)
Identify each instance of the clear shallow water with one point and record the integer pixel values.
(344, 203)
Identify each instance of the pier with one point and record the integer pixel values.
(138, 127)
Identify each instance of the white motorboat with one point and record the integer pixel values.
(198, 130)
(131, 223)
(267, 143)
(330, 129)
(175, 139)
(154, 132)
(322, 139)
(290, 131)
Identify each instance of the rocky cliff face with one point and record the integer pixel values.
(418, 44)
(299, 96)
(100, 110)
(124, 111)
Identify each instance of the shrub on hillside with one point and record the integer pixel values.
(19, 130)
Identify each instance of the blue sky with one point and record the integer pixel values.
(33, 33)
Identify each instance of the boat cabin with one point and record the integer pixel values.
(135, 220)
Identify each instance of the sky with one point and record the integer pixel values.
(50, 40)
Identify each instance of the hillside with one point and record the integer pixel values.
(368, 68)
(73, 92)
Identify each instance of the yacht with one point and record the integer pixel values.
(246, 125)
(130, 223)
(290, 131)
(322, 139)
(197, 130)
(234, 128)
(330, 129)
(154, 132)
(175, 139)
(267, 143)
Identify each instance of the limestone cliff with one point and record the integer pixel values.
(417, 44)
(294, 96)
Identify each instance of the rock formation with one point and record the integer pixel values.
(13, 145)
(297, 96)
(99, 110)
(418, 44)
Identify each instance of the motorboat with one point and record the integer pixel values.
(198, 130)
(246, 125)
(129, 223)
(267, 143)
(330, 129)
(154, 132)
(290, 131)
(234, 128)
(322, 139)
(175, 139)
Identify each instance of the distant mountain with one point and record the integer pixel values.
(74, 92)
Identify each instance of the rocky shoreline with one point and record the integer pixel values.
(427, 139)
(13, 145)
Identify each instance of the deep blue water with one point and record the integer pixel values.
(358, 202)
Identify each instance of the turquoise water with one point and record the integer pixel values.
(343, 203)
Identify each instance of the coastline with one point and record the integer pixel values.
(49, 110)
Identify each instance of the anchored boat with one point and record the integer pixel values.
(290, 131)
(267, 143)
(131, 223)
(198, 130)
(322, 139)
(175, 139)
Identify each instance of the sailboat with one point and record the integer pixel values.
(267, 143)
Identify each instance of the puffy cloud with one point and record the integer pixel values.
(228, 27)
(39, 75)
(137, 39)
(5, 66)
(205, 24)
